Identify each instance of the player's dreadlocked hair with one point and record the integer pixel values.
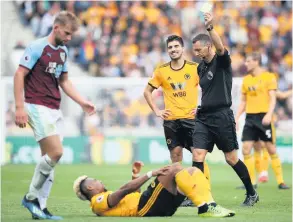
(77, 187)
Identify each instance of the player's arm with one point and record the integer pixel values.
(272, 88)
(272, 104)
(149, 98)
(213, 34)
(20, 115)
(27, 62)
(136, 168)
(241, 109)
(133, 185)
(70, 91)
(269, 115)
(283, 95)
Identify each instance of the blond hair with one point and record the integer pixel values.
(64, 18)
(77, 187)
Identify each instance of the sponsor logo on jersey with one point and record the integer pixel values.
(62, 56)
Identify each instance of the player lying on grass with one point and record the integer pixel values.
(162, 197)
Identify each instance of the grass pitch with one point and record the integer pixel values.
(274, 205)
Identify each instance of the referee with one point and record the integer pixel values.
(215, 122)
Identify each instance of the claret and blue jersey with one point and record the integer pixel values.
(46, 64)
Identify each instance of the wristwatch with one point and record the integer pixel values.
(210, 28)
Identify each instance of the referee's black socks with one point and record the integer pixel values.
(243, 174)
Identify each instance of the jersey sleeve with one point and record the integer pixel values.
(225, 59)
(100, 202)
(243, 88)
(196, 76)
(271, 82)
(65, 66)
(155, 81)
(30, 57)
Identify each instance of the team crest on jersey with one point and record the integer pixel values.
(153, 184)
(210, 75)
(100, 199)
(169, 141)
(187, 76)
(62, 56)
(27, 58)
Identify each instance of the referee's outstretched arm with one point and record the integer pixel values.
(213, 34)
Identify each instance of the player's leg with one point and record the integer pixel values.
(42, 121)
(192, 183)
(259, 148)
(248, 159)
(171, 130)
(47, 186)
(267, 137)
(188, 126)
(249, 137)
(226, 140)
(186, 137)
(265, 161)
(258, 156)
(202, 144)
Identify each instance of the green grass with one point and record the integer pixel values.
(274, 205)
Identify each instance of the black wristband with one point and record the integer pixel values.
(210, 28)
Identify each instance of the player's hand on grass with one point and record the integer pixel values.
(162, 171)
(21, 117)
(267, 119)
(164, 114)
(136, 167)
(88, 108)
(208, 19)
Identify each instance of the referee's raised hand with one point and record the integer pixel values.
(164, 114)
(208, 19)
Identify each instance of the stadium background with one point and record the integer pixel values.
(113, 55)
(111, 58)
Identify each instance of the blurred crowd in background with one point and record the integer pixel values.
(127, 39)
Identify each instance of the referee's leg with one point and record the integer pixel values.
(202, 144)
(226, 140)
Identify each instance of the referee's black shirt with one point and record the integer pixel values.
(216, 83)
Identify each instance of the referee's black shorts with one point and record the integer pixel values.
(179, 132)
(216, 127)
(254, 130)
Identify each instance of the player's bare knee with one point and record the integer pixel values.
(198, 155)
(271, 148)
(231, 158)
(175, 157)
(56, 155)
(246, 148)
(258, 146)
(176, 154)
